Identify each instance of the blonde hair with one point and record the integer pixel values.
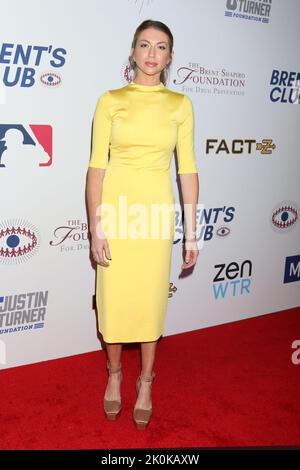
(161, 27)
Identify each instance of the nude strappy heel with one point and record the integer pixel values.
(142, 416)
(112, 408)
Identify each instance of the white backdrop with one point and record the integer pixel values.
(240, 70)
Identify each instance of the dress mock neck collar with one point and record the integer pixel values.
(138, 86)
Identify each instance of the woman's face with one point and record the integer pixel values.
(152, 51)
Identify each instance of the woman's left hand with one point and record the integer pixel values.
(191, 253)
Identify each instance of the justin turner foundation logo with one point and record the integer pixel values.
(19, 241)
(26, 311)
(198, 78)
(258, 10)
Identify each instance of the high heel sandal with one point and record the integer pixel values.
(112, 408)
(142, 416)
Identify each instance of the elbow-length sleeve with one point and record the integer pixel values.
(185, 139)
(101, 132)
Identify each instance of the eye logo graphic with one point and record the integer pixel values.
(25, 146)
(284, 216)
(223, 231)
(50, 79)
(19, 240)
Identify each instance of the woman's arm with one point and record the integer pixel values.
(190, 193)
(188, 173)
(95, 174)
(94, 195)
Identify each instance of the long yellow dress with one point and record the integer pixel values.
(139, 126)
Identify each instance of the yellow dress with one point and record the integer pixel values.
(139, 125)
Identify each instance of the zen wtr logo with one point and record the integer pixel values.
(233, 279)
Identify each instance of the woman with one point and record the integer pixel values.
(140, 123)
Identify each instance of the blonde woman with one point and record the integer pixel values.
(140, 124)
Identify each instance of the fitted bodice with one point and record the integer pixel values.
(141, 125)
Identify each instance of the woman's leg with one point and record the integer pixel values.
(148, 351)
(114, 352)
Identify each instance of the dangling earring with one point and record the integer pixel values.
(131, 69)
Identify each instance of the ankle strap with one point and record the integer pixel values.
(147, 378)
(113, 370)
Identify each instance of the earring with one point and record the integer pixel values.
(131, 70)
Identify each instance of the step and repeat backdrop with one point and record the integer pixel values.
(239, 63)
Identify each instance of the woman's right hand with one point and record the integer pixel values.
(99, 245)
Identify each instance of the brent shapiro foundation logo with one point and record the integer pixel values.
(198, 77)
(71, 236)
(19, 241)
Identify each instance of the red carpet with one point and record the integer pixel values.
(229, 385)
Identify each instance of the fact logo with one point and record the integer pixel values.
(25, 146)
(19, 241)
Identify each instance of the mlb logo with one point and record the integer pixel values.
(25, 147)
(292, 269)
